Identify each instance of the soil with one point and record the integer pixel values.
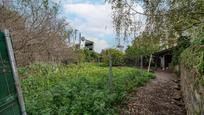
(161, 96)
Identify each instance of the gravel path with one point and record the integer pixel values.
(162, 96)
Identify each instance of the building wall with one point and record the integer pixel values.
(193, 91)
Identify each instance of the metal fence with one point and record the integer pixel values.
(10, 103)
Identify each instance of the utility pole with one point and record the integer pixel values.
(75, 35)
(79, 40)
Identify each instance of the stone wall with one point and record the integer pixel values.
(193, 91)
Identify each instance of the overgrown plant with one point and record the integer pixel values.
(117, 57)
(182, 43)
(193, 57)
(77, 90)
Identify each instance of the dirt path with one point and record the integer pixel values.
(161, 96)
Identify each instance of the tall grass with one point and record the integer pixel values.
(77, 89)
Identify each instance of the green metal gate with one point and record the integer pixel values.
(9, 104)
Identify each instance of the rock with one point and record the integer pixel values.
(176, 81)
(179, 103)
(177, 87)
(177, 96)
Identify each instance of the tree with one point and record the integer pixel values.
(38, 34)
(170, 19)
(116, 56)
(182, 44)
(86, 55)
(143, 45)
(167, 17)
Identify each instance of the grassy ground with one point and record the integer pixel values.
(77, 89)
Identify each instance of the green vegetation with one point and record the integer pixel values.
(116, 56)
(85, 55)
(193, 57)
(182, 43)
(145, 44)
(77, 89)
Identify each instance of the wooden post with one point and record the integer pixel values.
(110, 72)
(150, 60)
(163, 62)
(141, 62)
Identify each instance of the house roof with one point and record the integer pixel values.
(168, 51)
(89, 42)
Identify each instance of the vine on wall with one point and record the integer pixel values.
(193, 57)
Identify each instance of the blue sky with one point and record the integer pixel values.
(93, 19)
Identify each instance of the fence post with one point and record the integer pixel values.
(150, 61)
(110, 72)
(141, 62)
(15, 72)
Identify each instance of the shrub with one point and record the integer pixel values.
(116, 56)
(182, 43)
(193, 57)
(85, 55)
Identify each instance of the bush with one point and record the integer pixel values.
(182, 43)
(116, 56)
(193, 57)
(76, 90)
(85, 55)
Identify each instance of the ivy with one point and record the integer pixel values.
(193, 57)
(182, 43)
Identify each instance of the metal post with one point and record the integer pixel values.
(15, 72)
(110, 72)
(150, 61)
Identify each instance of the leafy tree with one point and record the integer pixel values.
(144, 45)
(193, 56)
(171, 17)
(182, 44)
(116, 56)
(86, 55)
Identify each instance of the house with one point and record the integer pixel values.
(163, 58)
(89, 45)
(85, 44)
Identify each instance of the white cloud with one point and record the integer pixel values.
(92, 18)
(56, 1)
(94, 21)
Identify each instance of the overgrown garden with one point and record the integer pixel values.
(78, 89)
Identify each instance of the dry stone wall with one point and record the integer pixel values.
(193, 91)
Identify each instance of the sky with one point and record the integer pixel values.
(93, 18)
